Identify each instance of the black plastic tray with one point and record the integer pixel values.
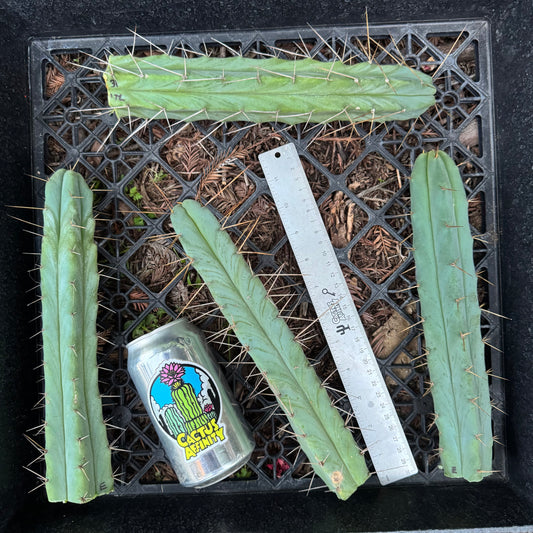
(497, 504)
(71, 127)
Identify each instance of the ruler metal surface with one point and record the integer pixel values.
(344, 332)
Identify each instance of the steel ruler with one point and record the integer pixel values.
(344, 332)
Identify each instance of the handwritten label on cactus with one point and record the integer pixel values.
(186, 402)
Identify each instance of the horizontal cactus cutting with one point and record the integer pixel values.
(319, 428)
(78, 457)
(447, 287)
(264, 90)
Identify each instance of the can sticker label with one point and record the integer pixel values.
(185, 400)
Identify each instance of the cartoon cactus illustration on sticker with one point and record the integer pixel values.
(174, 421)
(186, 401)
(209, 411)
(77, 456)
(184, 397)
(447, 287)
(243, 300)
(264, 90)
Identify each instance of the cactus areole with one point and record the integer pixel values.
(447, 287)
(77, 454)
(264, 90)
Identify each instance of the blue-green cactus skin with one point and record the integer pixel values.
(320, 430)
(78, 457)
(447, 287)
(264, 90)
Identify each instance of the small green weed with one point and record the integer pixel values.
(243, 473)
(159, 176)
(150, 322)
(134, 194)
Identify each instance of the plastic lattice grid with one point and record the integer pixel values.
(359, 175)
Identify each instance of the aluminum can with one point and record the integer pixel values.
(200, 427)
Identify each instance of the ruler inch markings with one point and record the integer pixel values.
(347, 340)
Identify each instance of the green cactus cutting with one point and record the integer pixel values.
(447, 287)
(264, 90)
(319, 428)
(78, 458)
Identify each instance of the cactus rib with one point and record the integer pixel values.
(447, 287)
(264, 90)
(319, 428)
(78, 458)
